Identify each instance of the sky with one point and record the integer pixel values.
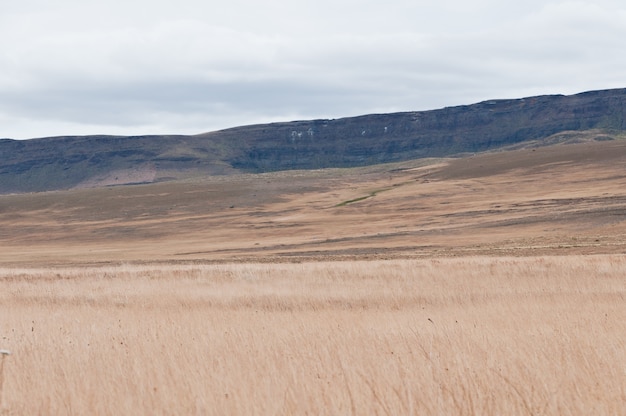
(134, 67)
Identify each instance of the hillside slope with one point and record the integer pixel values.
(91, 161)
(559, 199)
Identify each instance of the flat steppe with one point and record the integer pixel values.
(490, 284)
(559, 199)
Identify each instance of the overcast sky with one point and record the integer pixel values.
(77, 67)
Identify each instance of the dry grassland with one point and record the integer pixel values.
(486, 285)
(486, 336)
(561, 199)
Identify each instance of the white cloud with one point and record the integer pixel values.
(191, 66)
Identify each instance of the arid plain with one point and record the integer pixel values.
(488, 284)
(562, 199)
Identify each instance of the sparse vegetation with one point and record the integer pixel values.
(481, 335)
(350, 201)
(362, 198)
(521, 202)
(160, 299)
(3, 354)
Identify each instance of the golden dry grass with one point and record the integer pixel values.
(218, 296)
(483, 335)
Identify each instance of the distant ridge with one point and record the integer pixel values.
(86, 161)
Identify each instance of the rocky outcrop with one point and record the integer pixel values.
(402, 136)
(66, 162)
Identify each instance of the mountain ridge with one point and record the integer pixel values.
(64, 162)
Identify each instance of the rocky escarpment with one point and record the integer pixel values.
(402, 136)
(66, 162)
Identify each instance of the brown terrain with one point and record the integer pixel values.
(67, 162)
(558, 199)
(491, 284)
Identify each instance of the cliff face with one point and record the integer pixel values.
(402, 136)
(66, 162)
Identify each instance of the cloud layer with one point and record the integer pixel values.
(139, 67)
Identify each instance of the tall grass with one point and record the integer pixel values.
(541, 335)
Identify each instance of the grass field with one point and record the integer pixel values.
(561, 199)
(472, 335)
(491, 284)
